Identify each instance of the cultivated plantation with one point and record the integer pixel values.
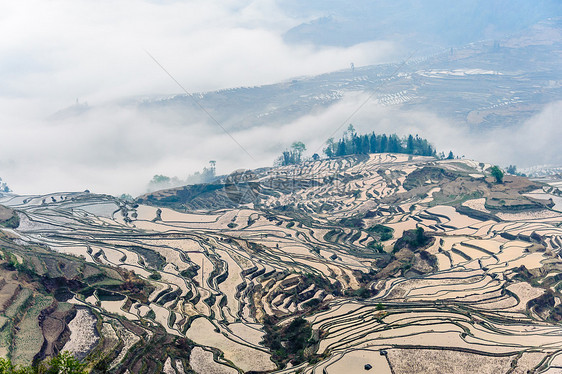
(386, 262)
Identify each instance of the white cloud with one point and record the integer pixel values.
(52, 52)
(63, 49)
(116, 149)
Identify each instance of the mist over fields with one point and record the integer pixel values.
(82, 105)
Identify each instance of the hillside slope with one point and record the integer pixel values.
(408, 264)
(486, 83)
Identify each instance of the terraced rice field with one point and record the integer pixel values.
(315, 241)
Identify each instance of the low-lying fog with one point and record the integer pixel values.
(57, 52)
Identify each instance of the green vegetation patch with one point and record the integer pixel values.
(355, 144)
(409, 256)
(382, 232)
(8, 218)
(63, 363)
(19, 303)
(152, 258)
(29, 338)
(419, 177)
(412, 239)
(354, 222)
(293, 342)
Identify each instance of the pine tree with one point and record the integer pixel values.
(352, 143)
(373, 143)
(341, 149)
(384, 144)
(365, 144)
(410, 145)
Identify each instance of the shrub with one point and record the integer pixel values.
(384, 231)
(497, 173)
(63, 363)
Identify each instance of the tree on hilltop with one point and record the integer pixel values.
(292, 156)
(298, 147)
(497, 173)
(352, 143)
(4, 187)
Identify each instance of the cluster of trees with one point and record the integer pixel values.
(4, 187)
(289, 343)
(292, 156)
(512, 169)
(160, 182)
(412, 239)
(352, 144)
(63, 363)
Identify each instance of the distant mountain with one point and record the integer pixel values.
(469, 91)
(417, 23)
(487, 83)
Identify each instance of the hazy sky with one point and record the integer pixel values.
(54, 52)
